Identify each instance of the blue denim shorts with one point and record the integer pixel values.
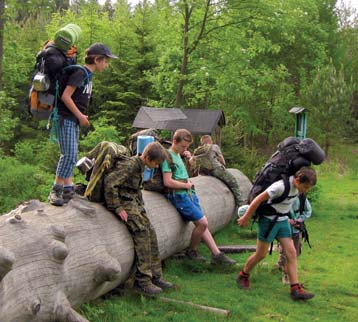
(187, 205)
(281, 229)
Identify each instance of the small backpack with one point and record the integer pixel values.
(301, 225)
(201, 158)
(133, 139)
(106, 155)
(155, 183)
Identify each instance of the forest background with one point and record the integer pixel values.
(254, 60)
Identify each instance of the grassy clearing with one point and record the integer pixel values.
(329, 269)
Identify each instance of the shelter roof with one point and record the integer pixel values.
(197, 121)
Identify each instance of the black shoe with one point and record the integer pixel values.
(221, 258)
(162, 283)
(55, 197)
(194, 255)
(68, 194)
(147, 289)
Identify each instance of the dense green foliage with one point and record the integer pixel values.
(252, 59)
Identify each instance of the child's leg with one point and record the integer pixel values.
(297, 241)
(281, 262)
(258, 256)
(291, 259)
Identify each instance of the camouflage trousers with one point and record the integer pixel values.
(226, 177)
(297, 242)
(147, 262)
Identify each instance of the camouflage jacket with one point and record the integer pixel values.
(122, 185)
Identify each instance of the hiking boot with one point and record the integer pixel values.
(194, 255)
(55, 197)
(147, 289)
(243, 281)
(221, 258)
(68, 194)
(162, 283)
(298, 293)
(285, 279)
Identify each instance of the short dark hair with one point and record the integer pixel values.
(306, 175)
(155, 152)
(90, 60)
(182, 135)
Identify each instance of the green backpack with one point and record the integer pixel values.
(201, 158)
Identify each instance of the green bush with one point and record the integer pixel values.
(20, 182)
(102, 132)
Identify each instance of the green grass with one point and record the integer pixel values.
(329, 269)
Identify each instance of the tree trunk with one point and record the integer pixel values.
(55, 258)
(2, 24)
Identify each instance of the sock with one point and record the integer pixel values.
(68, 187)
(243, 274)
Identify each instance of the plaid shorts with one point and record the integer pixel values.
(68, 142)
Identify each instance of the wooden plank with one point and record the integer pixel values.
(201, 307)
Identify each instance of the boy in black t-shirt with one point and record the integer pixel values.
(72, 111)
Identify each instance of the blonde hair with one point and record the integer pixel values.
(205, 139)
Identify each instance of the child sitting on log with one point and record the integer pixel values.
(123, 196)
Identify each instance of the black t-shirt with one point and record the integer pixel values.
(81, 95)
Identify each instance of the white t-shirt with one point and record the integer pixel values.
(276, 190)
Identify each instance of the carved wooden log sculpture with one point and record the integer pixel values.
(55, 258)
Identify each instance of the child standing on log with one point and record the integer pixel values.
(72, 110)
(269, 228)
(123, 196)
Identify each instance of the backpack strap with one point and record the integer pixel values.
(286, 191)
(74, 67)
(302, 198)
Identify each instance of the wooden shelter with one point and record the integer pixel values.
(197, 121)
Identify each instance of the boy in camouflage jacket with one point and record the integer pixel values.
(123, 196)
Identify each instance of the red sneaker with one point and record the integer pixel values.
(298, 293)
(243, 281)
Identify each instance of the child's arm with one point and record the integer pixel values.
(70, 104)
(111, 184)
(307, 211)
(244, 220)
(169, 182)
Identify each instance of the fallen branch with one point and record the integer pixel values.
(201, 307)
(237, 248)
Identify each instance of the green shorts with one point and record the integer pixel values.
(281, 229)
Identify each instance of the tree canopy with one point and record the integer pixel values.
(252, 59)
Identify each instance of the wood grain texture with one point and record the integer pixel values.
(53, 259)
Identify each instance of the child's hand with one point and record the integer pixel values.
(83, 119)
(243, 221)
(186, 154)
(123, 214)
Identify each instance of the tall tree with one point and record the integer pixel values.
(328, 99)
(2, 18)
